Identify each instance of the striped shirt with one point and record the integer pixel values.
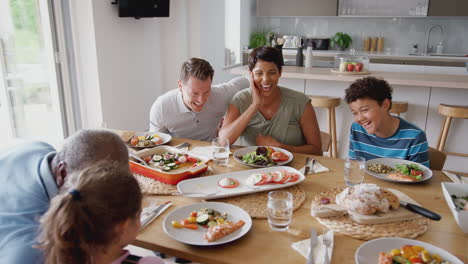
(409, 143)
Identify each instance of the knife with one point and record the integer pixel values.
(307, 167)
(155, 213)
(313, 243)
(420, 210)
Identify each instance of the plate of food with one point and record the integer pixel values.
(402, 250)
(207, 224)
(263, 156)
(240, 182)
(398, 170)
(141, 140)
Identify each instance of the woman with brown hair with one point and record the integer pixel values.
(95, 219)
(267, 114)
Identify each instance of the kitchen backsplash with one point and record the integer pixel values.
(400, 33)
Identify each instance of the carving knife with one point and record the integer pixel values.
(420, 210)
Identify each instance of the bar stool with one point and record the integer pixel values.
(450, 112)
(399, 107)
(329, 103)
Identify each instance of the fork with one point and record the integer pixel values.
(183, 145)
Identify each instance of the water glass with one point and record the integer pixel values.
(354, 170)
(220, 151)
(280, 210)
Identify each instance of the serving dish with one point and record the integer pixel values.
(208, 188)
(170, 177)
(458, 189)
(369, 251)
(391, 162)
(238, 154)
(163, 138)
(195, 237)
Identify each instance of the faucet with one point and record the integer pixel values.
(426, 49)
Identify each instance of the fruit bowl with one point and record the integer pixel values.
(173, 176)
(351, 65)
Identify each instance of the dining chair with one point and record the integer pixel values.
(326, 140)
(329, 103)
(399, 107)
(450, 112)
(436, 159)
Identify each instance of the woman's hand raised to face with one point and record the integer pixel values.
(257, 99)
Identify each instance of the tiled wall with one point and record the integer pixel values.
(399, 33)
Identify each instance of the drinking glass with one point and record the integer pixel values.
(354, 170)
(220, 151)
(280, 210)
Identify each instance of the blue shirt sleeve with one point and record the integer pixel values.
(419, 150)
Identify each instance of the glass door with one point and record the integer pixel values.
(30, 104)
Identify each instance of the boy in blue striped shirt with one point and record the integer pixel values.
(376, 133)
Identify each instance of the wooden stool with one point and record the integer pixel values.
(399, 107)
(450, 111)
(330, 103)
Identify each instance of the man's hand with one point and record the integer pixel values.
(262, 140)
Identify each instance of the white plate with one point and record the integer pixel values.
(427, 173)
(243, 151)
(369, 251)
(195, 237)
(164, 137)
(458, 189)
(207, 187)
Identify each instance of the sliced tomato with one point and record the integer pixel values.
(279, 156)
(293, 177)
(147, 159)
(268, 177)
(285, 178)
(416, 173)
(190, 226)
(262, 181)
(193, 214)
(192, 159)
(134, 141)
(277, 176)
(233, 183)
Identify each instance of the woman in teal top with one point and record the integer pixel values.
(268, 115)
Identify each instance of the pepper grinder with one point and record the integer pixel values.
(299, 57)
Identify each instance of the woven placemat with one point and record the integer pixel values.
(344, 225)
(152, 186)
(255, 204)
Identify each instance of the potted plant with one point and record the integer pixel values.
(258, 39)
(341, 40)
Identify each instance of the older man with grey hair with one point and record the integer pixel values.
(32, 174)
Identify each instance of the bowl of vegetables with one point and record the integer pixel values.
(168, 164)
(456, 195)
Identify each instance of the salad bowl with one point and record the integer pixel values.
(266, 157)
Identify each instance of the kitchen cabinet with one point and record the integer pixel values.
(297, 7)
(448, 8)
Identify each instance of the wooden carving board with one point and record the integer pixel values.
(400, 214)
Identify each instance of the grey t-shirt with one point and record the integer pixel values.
(285, 126)
(170, 115)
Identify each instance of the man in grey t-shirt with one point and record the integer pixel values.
(196, 108)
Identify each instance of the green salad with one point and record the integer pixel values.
(261, 156)
(412, 170)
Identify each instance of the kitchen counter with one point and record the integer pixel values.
(384, 55)
(395, 78)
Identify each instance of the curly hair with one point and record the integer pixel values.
(195, 67)
(83, 219)
(369, 87)
(269, 54)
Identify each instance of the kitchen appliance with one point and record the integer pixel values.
(292, 42)
(318, 43)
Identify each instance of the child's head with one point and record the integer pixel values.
(370, 100)
(100, 207)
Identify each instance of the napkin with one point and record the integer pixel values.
(316, 169)
(454, 178)
(146, 212)
(204, 151)
(303, 248)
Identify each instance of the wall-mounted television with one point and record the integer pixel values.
(143, 8)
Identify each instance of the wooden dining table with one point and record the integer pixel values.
(262, 245)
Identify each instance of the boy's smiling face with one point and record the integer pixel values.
(369, 114)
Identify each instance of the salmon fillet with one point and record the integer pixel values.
(217, 232)
(400, 177)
